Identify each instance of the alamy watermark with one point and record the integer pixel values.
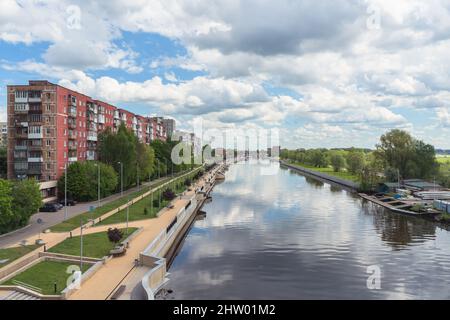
(261, 145)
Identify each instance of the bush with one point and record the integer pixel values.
(114, 235)
(168, 195)
(187, 182)
(155, 203)
(145, 212)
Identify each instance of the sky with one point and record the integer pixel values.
(329, 73)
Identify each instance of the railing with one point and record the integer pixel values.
(27, 286)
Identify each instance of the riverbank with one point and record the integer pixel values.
(352, 186)
(329, 178)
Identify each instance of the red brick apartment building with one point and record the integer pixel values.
(49, 126)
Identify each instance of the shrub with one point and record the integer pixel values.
(168, 195)
(114, 235)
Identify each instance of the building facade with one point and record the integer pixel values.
(169, 125)
(50, 126)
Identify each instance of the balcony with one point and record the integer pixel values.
(21, 107)
(92, 136)
(34, 99)
(34, 169)
(72, 135)
(101, 119)
(73, 159)
(72, 124)
(72, 112)
(35, 159)
(38, 135)
(91, 155)
(72, 147)
(21, 168)
(20, 148)
(20, 124)
(116, 115)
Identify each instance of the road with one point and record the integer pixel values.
(49, 219)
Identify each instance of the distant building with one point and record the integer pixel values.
(3, 134)
(421, 185)
(169, 125)
(190, 138)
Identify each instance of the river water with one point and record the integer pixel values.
(286, 236)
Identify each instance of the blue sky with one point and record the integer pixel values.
(326, 74)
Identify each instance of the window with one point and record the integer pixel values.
(48, 143)
(65, 154)
(65, 132)
(65, 143)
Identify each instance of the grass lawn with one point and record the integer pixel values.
(343, 174)
(44, 274)
(74, 222)
(95, 245)
(15, 253)
(137, 210)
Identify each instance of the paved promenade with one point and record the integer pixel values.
(103, 283)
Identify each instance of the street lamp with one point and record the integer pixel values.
(81, 243)
(121, 178)
(128, 211)
(137, 175)
(65, 191)
(98, 183)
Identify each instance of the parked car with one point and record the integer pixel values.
(50, 207)
(70, 202)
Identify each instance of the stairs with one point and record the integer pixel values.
(16, 295)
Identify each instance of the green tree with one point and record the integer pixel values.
(355, 161)
(82, 181)
(413, 158)
(27, 200)
(146, 160)
(3, 162)
(337, 162)
(6, 212)
(119, 147)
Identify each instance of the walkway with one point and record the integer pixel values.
(53, 218)
(108, 278)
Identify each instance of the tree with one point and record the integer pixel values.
(338, 162)
(413, 158)
(27, 200)
(3, 162)
(82, 181)
(355, 161)
(119, 147)
(114, 235)
(6, 212)
(146, 160)
(317, 158)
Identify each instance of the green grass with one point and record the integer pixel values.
(137, 210)
(342, 174)
(74, 222)
(95, 245)
(15, 253)
(44, 274)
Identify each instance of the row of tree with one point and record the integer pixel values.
(120, 154)
(18, 201)
(398, 155)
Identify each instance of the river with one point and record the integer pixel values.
(286, 236)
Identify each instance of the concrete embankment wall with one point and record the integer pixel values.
(345, 183)
(167, 241)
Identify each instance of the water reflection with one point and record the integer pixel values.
(291, 237)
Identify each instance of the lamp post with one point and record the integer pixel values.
(81, 243)
(121, 178)
(137, 176)
(98, 183)
(65, 192)
(128, 211)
